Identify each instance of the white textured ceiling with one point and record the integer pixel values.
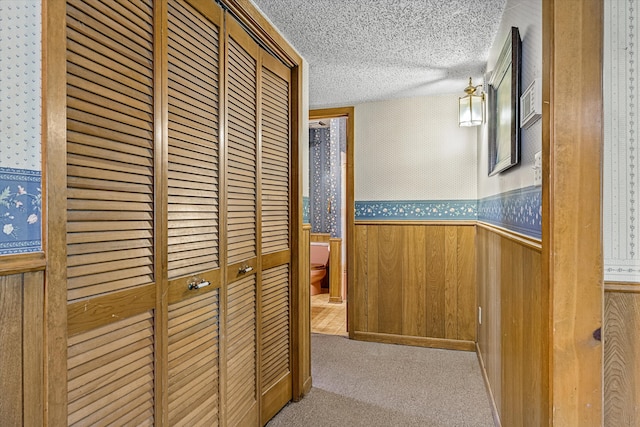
(369, 50)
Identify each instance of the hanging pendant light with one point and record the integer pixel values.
(471, 106)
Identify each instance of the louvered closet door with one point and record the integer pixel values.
(110, 187)
(242, 228)
(193, 199)
(275, 319)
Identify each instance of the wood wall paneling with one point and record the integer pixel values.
(622, 357)
(11, 363)
(22, 343)
(512, 336)
(32, 348)
(416, 283)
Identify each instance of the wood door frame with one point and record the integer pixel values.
(572, 146)
(348, 113)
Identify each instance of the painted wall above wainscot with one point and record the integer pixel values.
(621, 204)
(413, 149)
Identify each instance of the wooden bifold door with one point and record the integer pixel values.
(178, 217)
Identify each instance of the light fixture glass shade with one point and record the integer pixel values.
(471, 112)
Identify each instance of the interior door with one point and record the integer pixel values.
(193, 194)
(111, 229)
(242, 228)
(275, 284)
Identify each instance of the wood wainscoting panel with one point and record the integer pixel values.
(512, 335)
(11, 342)
(415, 281)
(622, 358)
(22, 344)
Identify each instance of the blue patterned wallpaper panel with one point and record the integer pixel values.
(305, 210)
(20, 211)
(517, 210)
(417, 210)
(325, 148)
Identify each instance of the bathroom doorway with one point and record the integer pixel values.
(330, 211)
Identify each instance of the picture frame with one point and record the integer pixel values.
(504, 106)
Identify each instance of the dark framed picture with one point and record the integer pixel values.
(504, 106)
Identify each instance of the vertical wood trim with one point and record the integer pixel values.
(222, 217)
(298, 244)
(258, 335)
(32, 344)
(301, 319)
(335, 270)
(571, 204)
(299, 274)
(161, 144)
(55, 194)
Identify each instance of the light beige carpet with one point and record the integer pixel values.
(359, 383)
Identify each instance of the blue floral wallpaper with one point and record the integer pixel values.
(20, 211)
(517, 210)
(325, 148)
(417, 210)
(20, 128)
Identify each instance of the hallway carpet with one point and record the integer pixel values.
(359, 383)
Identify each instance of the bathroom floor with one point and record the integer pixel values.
(328, 318)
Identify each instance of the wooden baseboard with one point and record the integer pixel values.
(442, 343)
(492, 400)
(337, 300)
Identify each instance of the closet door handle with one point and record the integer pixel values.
(245, 269)
(198, 285)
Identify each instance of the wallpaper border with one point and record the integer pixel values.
(417, 210)
(517, 210)
(20, 211)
